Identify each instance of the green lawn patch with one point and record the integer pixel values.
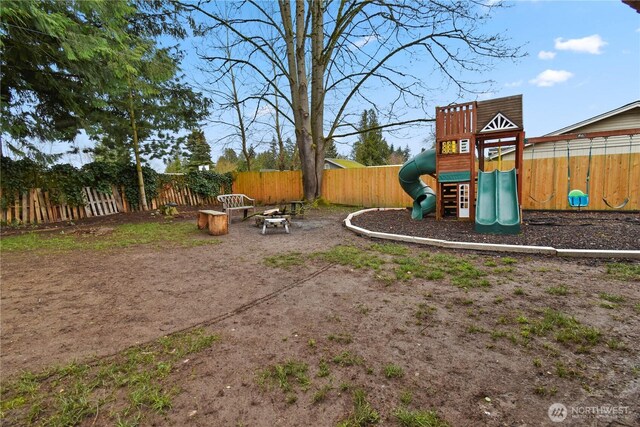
(566, 329)
(351, 256)
(418, 418)
(122, 389)
(183, 234)
(624, 271)
(285, 261)
(363, 413)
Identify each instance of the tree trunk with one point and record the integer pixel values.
(317, 91)
(136, 152)
(281, 152)
(299, 95)
(236, 105)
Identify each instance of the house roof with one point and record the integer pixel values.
(345, 163)
(594, 119)
(633, 3)
(569, 129)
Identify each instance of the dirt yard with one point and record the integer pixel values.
(319, 327)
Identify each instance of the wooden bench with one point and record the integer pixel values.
(215, 221)
(236, 202)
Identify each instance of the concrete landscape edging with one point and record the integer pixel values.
(487, 247)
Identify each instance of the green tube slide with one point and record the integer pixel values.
(424, 198)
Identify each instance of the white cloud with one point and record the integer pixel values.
(513, 84)
(265, 110)
(548, 78)
(638, 30)
(363, 41)
(545, 55)
(591, 44)
(486, 95)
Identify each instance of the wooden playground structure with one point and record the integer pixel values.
(463, 133)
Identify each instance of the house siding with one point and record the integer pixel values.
(627, 120)
(580, 147)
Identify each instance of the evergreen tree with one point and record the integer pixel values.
(371, 149)
(292, 154)
(111, 151)
(406, 153)
(175, 165)
(330, 150)
(398, 155)
(227, 162)
(199, 150)
(49, 62)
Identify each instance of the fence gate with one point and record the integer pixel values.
(99, 204)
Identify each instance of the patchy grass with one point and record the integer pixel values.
(423, 312)
(406, 397)
(347, 358)
(285, 261)
(624, 271)
(418, 418)
(123, 389)
(342, 338)
(160, 234)
(612, 298)
(393, 371)
(323, 369)
(616, 344)
(560, 290)
(351, 256)
(413, 267)
(566, 329)
(321, 394)
(462, 271)
(363, 414)
(282, 376)
(390, 249)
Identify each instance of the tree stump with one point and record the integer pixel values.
(215, 221)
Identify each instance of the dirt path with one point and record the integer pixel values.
(462, 350)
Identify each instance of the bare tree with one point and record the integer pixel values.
(355, 48)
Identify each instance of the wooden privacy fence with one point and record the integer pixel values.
(36, 207)
(269, 187)
(379, 187)
(546, 184)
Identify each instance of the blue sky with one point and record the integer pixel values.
(582, 59)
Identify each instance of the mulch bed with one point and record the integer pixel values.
(561, 230)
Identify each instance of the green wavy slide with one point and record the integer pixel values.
(424, 198)
(497, 208)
